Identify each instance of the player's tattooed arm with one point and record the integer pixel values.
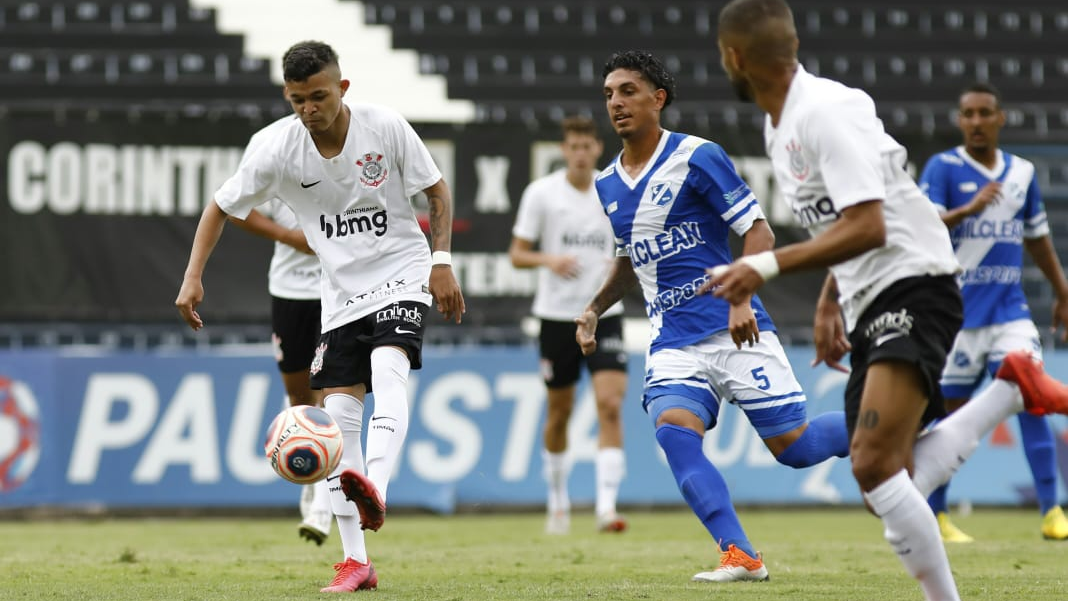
(440, 201)
(443, 285)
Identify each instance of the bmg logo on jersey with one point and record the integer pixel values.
(396, 312)
(810, 213)
(355, 221)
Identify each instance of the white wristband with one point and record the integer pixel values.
(764, 263)
(441, 257)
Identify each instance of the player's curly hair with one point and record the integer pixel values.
(651, 68)
(305, 59)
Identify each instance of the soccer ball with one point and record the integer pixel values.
(303, 444)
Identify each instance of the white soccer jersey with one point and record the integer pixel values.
(354, 208)
(830, 152)
(566, 221)
(293, 275)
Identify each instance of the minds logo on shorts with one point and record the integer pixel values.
(396, 312)
(355, 221)
(20, 431)
(889, 326)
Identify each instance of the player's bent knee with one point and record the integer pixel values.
(871, 469)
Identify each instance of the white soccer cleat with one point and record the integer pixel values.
(316, 526)
(558, 522)
(735, 565)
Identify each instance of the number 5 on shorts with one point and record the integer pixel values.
(758, 375)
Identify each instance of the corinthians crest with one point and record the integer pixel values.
(798, 165)
(373, 172)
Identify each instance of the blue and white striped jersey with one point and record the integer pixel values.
(989, 246)
(672, 221)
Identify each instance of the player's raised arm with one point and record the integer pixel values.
(212, 221)
(621, 278)
(443, 285)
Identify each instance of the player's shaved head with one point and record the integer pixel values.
(763, 30)
(305, 59)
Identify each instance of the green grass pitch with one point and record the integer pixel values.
(820, 555)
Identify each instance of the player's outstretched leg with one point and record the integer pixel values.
(360, 490)
(826, 436)
(1021, 384)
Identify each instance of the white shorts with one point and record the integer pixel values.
(757, 379)
(979, 351)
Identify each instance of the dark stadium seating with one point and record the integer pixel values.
(521, 61)
(113, 54)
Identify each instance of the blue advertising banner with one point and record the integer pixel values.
(84, 429)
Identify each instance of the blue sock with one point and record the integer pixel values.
(702, 486)
(937, 500)
(1042, 457)
(825, 437)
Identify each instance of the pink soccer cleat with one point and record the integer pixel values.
(361, 491)
(1041, 393)
(352, 576)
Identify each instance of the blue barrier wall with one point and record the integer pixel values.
(126, 430)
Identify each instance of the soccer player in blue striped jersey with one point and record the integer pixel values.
(673, 200)
(991, 202)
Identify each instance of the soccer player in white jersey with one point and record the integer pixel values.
(347, 172)
(991, 204)
(891, 286)
(561, 214)
(673, 200)
(293, 283)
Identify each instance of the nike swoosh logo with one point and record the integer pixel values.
(334, 478)
(888, 337)
(383, 417)
(304, 185)
(400, 331)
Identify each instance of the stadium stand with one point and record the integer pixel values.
(520, 66)
(528, 62)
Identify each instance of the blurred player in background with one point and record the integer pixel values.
(673, 200)
(891, 288)
(991, 204)
(293, 283)
(561, 214)
(347, 172)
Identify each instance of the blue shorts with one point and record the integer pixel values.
(758, 379)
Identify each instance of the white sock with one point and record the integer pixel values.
(912, 531)
(940, 452)
(307, 499)
(611, 467)
(389, 422)
(321, 497)
(556, 468)
(347, 411)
